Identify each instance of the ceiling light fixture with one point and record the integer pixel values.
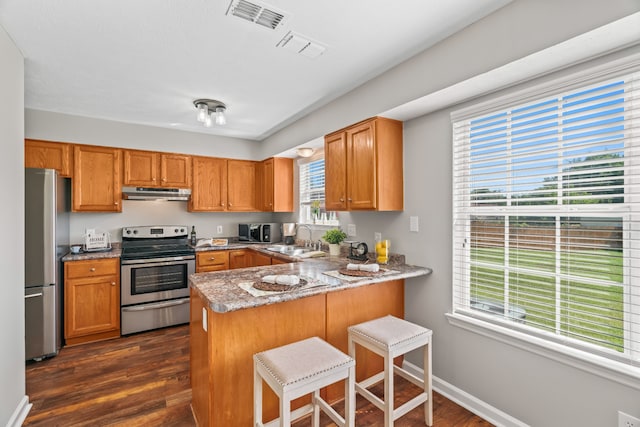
(305, 151)
(209, 111)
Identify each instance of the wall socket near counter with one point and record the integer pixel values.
(351, 230)
(377, 236)
(626, 420)
(414, 224)
(219, 229)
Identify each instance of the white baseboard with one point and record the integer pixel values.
(467, 401)
(20, 414)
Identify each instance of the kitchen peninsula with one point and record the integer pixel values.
(231, 320)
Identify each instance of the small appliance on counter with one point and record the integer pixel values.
(259, 232)
(358, 250)
(289, 232)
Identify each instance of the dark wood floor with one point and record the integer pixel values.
(143, 380)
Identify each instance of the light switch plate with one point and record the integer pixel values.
(351, 230)
(414, 224)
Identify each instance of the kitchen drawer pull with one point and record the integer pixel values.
(144, 307)
(212, 259)
(92, 269)
(33, 295)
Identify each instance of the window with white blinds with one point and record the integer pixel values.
(311, 189)
(546, 206)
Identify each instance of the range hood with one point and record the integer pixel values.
(147, 193)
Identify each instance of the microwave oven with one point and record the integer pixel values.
(259, 232)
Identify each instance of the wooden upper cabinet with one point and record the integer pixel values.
(175, 170)
(209, 192)
(48, 155)
(97, 176)
(364, 167)
(152, 169)
(241, 185)
(276, 187)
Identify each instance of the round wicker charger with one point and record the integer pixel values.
(360, 273)
(276, 287)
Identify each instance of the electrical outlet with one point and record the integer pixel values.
(414, 224)
(626, 420)
(219, 229)
(377, 236)
(351, 230)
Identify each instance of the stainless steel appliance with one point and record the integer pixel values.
(289, 232)
(144, 193)
(155, 266)
(260, 232)
(47, 207)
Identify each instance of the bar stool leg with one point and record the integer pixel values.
(257, 399)
(388, 390)
(428, 407)
(350, 398)
(316, 408)
(285, 411)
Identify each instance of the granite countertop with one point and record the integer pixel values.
(232, 290)
(114, 252)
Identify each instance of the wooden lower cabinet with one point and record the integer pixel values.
(212, 261)
(222, 364)
(240, 258)
(91, 300)
(259, 259)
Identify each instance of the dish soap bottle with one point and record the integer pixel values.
(193, 235)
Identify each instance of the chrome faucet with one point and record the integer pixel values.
(306, 242)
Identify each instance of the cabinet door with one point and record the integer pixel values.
(267, 186)
(97, 179)
(212, 261)
(241, 191)
(209, 192)
(260, 259)
(282, 185)
(140, 168)
(240, 258)
(361, 167)
(335, 172)
(175, 170)
(92, 301)
(48, 155)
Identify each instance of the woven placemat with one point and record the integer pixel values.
(275, 287)
(360, 273)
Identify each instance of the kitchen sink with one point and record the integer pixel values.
(288, 250)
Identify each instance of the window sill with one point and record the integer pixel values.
(593, 364)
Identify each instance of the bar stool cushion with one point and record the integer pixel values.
(389, 331)
(301, 360)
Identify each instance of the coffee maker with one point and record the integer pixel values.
(289, 232)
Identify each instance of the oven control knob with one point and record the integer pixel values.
(182, 230)
(128, 231)
(175, 231)
(135, 231)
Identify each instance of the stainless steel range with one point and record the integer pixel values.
(155, 265)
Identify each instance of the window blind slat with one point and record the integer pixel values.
(546, 232)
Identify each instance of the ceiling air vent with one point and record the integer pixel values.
(302, 45)
(259, 13)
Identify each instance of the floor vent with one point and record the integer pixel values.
(302, 45)
(256, 12)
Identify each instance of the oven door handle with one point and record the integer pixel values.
(154, 306)
(158, 261)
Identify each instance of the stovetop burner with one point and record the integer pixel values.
(146, 242)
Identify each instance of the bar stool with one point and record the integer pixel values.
(391, 337)
(298, 369)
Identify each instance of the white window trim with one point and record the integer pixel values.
(623, 373)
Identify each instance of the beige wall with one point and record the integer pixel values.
(12, 380)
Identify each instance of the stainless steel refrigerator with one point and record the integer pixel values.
(47, 206)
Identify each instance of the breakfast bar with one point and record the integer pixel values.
(231, 320)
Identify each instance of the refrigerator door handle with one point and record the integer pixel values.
(33, 295)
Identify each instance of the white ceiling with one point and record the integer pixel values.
(145, 61)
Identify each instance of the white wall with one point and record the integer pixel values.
(12, 372)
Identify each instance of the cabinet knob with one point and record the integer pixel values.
(350, 199)
(115, 203)
(230, 204)
(113, 283)
(164, 179)
(212, 259)
(92, 269)
(342, 199)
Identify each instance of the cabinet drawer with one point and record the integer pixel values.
(213, 258)
(92, 268)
